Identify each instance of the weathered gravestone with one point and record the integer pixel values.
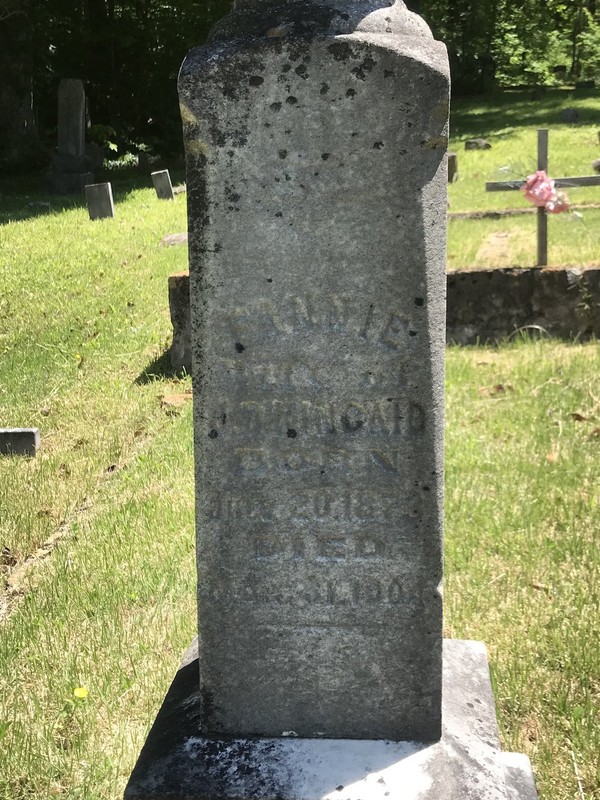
(99, 199)
(71, 167)
(180, 351)
(316, 138)
(452, 167)
(162, 184)
(19, 441)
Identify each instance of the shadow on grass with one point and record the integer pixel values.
(159, 369)
(490, 113)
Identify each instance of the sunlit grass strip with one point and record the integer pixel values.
(84, 310)
(574, 241)
(523, 536)
(87, 656)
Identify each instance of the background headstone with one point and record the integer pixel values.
(19, 441)
(477, 144)
(162, 184)
(452, 167)
(71, 167)
(99, 200)
(570, 115)
(180, 351)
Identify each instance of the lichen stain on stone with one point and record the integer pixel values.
(187, 115)
(441, 110)
(435, 143)
(196, 147)
(363, 69)
(341, 51)
(279, 32)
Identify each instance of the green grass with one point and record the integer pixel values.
(512, 241)
(509, 121)
(83, 313)
(523, 527)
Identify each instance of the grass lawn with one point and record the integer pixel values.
(509, 121)
(97, 539)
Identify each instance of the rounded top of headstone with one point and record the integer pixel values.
(332, 17)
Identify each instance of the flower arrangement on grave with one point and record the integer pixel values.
(540, 190)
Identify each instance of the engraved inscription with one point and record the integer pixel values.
(367, 591)
(319, 546)
(317, 505)
(259, 462)
(387, 417)
(328, 312)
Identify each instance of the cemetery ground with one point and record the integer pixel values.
(97, 559)
(509, 122)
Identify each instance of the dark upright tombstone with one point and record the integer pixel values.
(71, 167)
(99, 200)
(162, 184)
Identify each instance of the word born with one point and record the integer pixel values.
(259, 462)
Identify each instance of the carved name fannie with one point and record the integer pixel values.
(328, 312)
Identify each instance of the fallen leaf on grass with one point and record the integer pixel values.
(540, 587)
(578, 417)
(178, 400)
(7, 558)
(173, 403)
(499, 388)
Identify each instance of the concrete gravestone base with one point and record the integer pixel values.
(180, 351)
(177, 763)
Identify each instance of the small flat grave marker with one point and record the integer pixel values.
(560, 183)
(19, 441)
(162, 184)
(99, 200)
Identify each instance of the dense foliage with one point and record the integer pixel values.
(532, 42)
(128, 53)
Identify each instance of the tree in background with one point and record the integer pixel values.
(127, 53)
(531, 42)
(19, 138)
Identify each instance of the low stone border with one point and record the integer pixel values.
(489, 305)
(483, 306)
(511, 212)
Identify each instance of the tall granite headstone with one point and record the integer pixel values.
(317, 297)
(316, 134)
(71, 167)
